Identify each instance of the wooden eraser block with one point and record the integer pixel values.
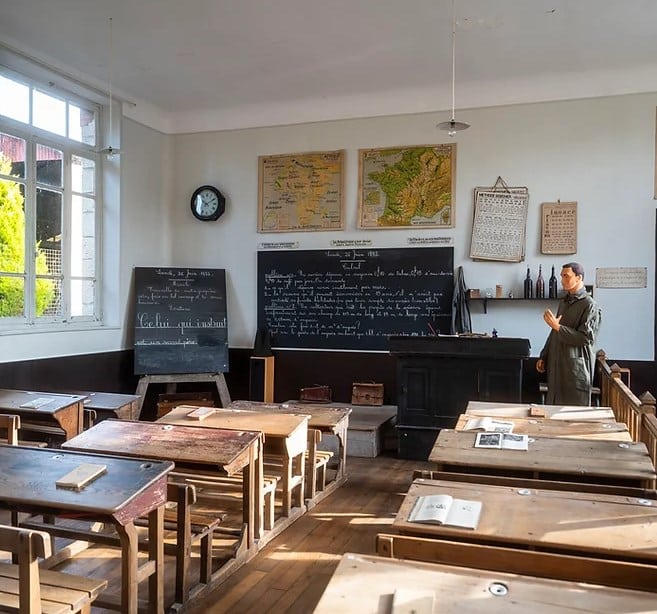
(537, 412)
(201, 413)
(81, 476)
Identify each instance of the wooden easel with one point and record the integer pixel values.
(173, 380)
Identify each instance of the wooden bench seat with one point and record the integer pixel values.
(318, 472)
(217, 487)
(11, 424)
(26, 589)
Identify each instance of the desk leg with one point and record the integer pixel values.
(252, 496)
(341, 434)
(156, 555)
(129, 562)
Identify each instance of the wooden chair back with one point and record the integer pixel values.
(11, 424)
(28, 546)
(26, 589)
(608, 572)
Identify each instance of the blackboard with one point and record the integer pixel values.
(181, 325)
(354, 298)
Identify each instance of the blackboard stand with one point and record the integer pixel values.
(172, 380)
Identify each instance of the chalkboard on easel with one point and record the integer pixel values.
(354, 298)
(181, 324)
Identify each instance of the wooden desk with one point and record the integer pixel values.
(570, 429)
(586, 524)
(327, 419)
(570, 460)
(110, 404)
(220, 450)
(457, 589)
(66, 411)
(129, 489)
(554, 412)
(285, 435)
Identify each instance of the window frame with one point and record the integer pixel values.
(70, 148)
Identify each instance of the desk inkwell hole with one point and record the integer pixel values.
(57, 456)
(498, 589)
(524, 492)
(145, 465)
(167, 427)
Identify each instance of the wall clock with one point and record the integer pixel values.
(208, 203)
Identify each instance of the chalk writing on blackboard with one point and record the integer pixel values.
(181, 324)
(353, 299)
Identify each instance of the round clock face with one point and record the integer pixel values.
(208, 203)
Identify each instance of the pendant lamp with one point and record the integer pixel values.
(110, 151)
(452, 126)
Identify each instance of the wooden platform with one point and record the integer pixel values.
(367, 429)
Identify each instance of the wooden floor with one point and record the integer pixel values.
(291, 572)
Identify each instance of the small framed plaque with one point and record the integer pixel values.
(559, 228)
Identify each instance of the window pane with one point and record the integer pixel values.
(12, 152)
(49, 113)
(82, 297)
(81, 125)
(48, 297)
(49, 166)
(12, 297)
(12, 227)
(83, 175)
(83, 237)
(49, 232)
(15, 100)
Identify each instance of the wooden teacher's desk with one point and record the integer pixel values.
(327, 419)
(406, 586)
(128, 490)
(554, 412)
(43, 410)
(285, 436)
(569, 460)
(612, 527)
(570, 429)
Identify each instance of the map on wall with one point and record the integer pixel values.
(407, 187)
(300, 192)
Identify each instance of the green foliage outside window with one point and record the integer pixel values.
(12, 251)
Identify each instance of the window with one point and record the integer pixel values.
(49, 206)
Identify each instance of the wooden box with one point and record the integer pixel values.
(366, 394)
(315, 394)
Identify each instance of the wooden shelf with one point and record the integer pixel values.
(485, 300)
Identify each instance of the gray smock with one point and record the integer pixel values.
(568, 354)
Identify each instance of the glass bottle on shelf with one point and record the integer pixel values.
(540, 284)
(552, 285)
(528, 288)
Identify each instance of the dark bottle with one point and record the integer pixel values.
(528, 290)
(552, 285)
(540, 284)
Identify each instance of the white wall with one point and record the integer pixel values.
(598, 152)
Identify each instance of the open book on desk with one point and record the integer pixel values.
(504, 441)
(490, 425)
(445, 509)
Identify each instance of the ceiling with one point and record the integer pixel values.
(209, 64)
